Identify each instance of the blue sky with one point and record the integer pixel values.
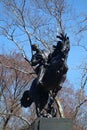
(81, 5)
(77, 55)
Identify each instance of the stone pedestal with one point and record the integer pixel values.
(52, 124)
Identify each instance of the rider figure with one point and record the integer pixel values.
(39, 61)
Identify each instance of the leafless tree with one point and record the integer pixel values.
(23, 23)
(12, 84)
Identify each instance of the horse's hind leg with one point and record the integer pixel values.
(38, 111)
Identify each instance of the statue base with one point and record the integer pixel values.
(52, 124)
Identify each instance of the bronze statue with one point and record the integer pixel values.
(39, 60)
(51, 70)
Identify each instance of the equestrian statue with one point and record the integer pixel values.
(51, 69)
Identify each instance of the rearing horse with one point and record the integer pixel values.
(54, 76)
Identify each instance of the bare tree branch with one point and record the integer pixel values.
(18, 69)
(17, 116)
(77, 109)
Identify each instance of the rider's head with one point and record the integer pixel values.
(35, 47)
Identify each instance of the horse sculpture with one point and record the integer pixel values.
(54, 74)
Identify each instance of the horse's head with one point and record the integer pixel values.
(63, 44)
(26, 99)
